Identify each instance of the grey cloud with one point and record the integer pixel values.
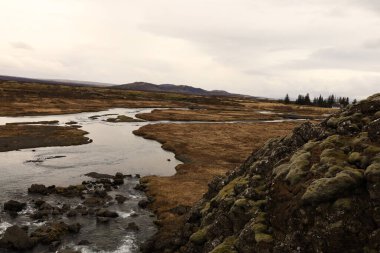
(21, 45)
(357, 59)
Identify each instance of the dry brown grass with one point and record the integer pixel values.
(14, 136)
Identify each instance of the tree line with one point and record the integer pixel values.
(320, 101)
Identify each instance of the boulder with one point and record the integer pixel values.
(16, 238)
(14, 206)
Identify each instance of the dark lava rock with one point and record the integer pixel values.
(39, 203)
(38, 189)
(118, 181)
(143, 203)
(14, 206)
(98, 175)
(16, 238)
(54, 231)
(133, 226)
(140, 187)
(120, 199)
(84, 242)
(119, 175)
(93, 202)
(106, 213)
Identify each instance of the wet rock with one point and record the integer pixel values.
(38, 189)
(93, 202)
(69, 251)
(143, 203)
(133, 226)
(120, 199)
(98, 175)
(84, 242)
(106, 213)
(38, 203)
(16, 238)
(118, 181)
(14, 206)
(51, 232)
(74, 228)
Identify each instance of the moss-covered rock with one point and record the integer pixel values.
(328, 188)
(199, 237)
(227, 246)
(372, 173)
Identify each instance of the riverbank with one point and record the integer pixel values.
(207, 150)
(21, 136)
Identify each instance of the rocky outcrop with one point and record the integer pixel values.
(316, 190)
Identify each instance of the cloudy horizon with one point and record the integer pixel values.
(260, 48)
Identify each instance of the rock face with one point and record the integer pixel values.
(316, 190)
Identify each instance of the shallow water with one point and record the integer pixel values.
(114, 149)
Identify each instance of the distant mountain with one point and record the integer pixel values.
(183, 89)
(52, 81)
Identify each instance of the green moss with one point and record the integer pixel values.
(263, 238)
(281, 170)
(205, 208)
(328, 188)
(332, 156)
(227, 246)
(333, 122)
(310, 145)
(259, 228)
(354, 157)
(260, 217)
(333, 170)
(372, 172)
(372, 150)
(360, 139)
(228, 190)
(343, 204)
(199, 237)
(331, 142)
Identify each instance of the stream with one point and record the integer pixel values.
(114, 149)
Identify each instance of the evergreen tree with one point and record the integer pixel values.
(287, 99)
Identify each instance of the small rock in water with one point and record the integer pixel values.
(120, 199)
(137, 176)
(168, 160)
(143, 203)
(133, 226)
(106, 213)
(84, 242)
(38, 189)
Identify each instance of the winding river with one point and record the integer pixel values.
(114, 149)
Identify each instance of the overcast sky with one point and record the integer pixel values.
(263, 48)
